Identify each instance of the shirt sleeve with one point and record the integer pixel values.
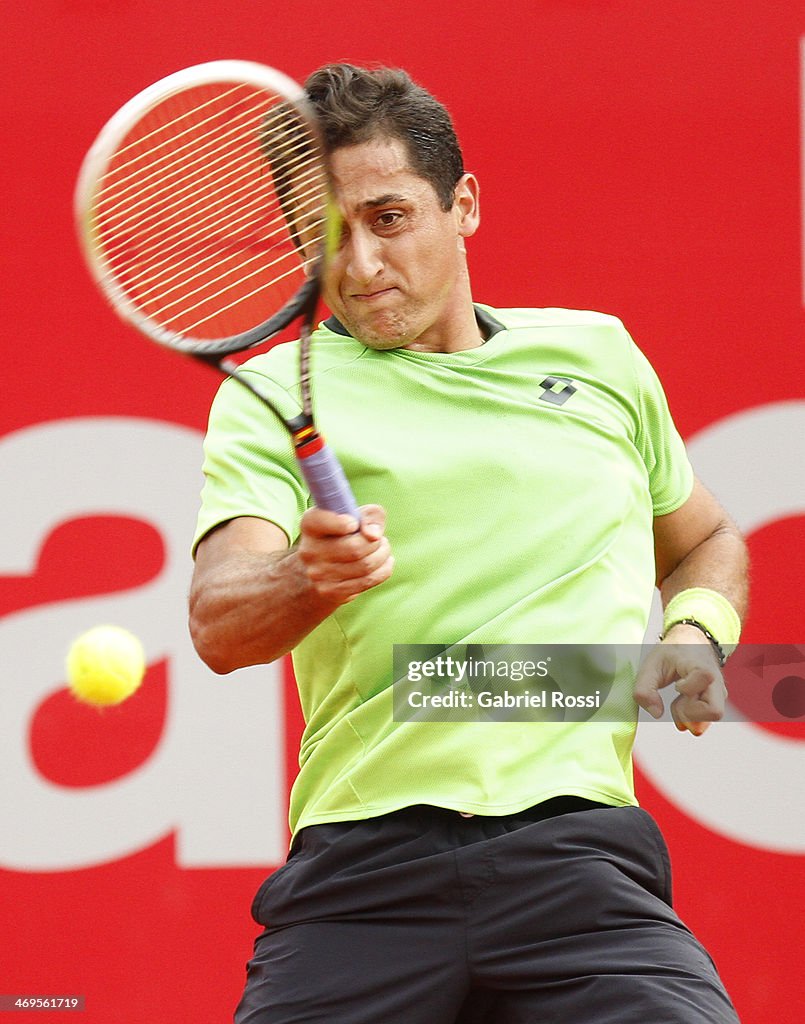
(661, 447)
(249, 465)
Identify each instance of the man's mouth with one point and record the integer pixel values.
(372, 296)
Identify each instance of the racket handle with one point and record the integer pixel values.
(327, 482)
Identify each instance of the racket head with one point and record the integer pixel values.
(204, 208)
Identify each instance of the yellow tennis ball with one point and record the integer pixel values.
(105, 665)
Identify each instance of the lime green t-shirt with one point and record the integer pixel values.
(520, 479)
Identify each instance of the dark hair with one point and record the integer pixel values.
(355, 105)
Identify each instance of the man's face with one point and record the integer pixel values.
(399, 278)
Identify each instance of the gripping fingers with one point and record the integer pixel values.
(344, 562)
(340, 561)
(352, 588)
(344, 580)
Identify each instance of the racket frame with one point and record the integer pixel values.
(97, 161)
(320, 467)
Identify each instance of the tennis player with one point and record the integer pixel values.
(521, 481)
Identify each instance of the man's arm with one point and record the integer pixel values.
(253, 598)
(698, 545)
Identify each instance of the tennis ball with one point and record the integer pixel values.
(105, 665)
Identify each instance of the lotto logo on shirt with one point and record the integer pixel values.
(557, 390)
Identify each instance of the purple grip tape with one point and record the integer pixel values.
(327, 483)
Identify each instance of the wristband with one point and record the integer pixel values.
(710, 612)
(719, 651)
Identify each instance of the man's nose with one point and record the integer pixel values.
(363, 257)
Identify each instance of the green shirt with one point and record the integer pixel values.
(521, 479)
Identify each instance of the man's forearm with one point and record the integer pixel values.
(719, 563)
(253, 599)
(253, 609)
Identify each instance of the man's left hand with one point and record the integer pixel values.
(685, 657)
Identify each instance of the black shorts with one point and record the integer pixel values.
(559, 914)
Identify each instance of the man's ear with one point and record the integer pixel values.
(466, 205)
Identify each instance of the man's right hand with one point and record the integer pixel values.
(342, 558)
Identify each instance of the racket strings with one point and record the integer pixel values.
(159, 176)
(204, 277)
(212, 214)
(233, 303)
(205, 296)
(170, 125)
(169, 185)
(133, 216)
(179, 281)
(208, 153)
(228, 217)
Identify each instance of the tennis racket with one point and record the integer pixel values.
(206, 218)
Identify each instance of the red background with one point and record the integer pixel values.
(639, 158)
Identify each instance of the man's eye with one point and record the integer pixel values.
(387, 220)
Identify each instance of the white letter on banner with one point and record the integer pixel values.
(736, 780)
(216, 778)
